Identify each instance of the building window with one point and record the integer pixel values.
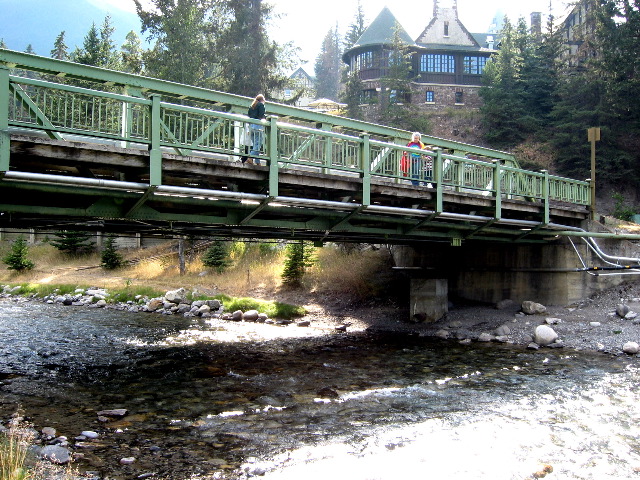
(459, 97)
(474, 65)
(430, 97)
(363, 60)
(368, 96)
(437, 63)
(446, 29)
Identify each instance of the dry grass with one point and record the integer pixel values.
(255, 271)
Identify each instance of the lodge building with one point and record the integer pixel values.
(447, 61)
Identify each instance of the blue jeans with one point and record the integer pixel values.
(256, 134)
(416, 167)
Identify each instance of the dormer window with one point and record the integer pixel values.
(446, 29)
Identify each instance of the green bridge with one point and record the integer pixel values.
(89, 148)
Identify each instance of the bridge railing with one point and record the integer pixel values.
(71, 99)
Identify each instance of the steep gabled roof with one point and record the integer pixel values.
(456, 33)
(381, 31)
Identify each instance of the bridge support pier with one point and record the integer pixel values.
(429, 300)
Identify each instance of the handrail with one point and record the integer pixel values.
(155, 120)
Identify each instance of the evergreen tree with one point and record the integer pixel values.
(29, 49)
(184, 32)
(60, 50)
(217, 257)
(352, 93)
(502, 92)
(356, 29)
(396, 108)
(250, 63)
(2, 43)
(132, 52)
(298, 257)
(72, 242)
(90, 53)
(110, 257)
(17, 259)
(327, 67)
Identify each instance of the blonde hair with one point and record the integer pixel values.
(259, 98)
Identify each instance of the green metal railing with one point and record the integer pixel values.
(63, 98)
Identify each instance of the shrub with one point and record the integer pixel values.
(72, 243)
(17, 259)
(111, 259)
(620, 210)
(217, 257)
(298, 256)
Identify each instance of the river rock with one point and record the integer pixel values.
(90, 434)
(48, 432)
(55, 454)
(622, 310)
(115, 412)
(442, 334)
(203, 310)
(154, 304)
(552, 321)
(544, 335)
(631, 348)
(127, 460)
(176, 296)
(502, 330)
(236, 316)
(485, 337)
(631, 316)
(250, 316)
(533, 308)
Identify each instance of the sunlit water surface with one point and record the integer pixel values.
(235, 400)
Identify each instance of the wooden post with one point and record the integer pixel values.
(593, 135)
(181, 255)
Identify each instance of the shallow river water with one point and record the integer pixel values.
(230, 400)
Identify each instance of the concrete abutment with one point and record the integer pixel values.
(491, 272)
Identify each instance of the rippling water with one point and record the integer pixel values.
(232, 400)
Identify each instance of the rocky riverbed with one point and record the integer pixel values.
(606, 323)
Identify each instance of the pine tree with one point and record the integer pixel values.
(298, 257)
(217, 257)
(110, 257)
(184, 33)
(327, 67)
(72, 242)
(132, 52)
(60, 50)
(90, 52)
(250, 62)
(356, 29)
(352, 93)
(2, 43)
(29, 49)
(17, 259)
(502, 92)
(396, 108)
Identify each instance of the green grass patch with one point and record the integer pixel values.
(272, 309)
(130, 293)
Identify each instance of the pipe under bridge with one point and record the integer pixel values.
(88, 148)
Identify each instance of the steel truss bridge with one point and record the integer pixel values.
(89, 148)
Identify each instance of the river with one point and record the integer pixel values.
(215, 400)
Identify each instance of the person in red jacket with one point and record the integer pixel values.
(411, 164)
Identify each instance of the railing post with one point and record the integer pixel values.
(497, 186)
(438, 174)
(127, 114)
(273, 156)
(545, 196)
(460, 174)
(5, 138)
(328, 149)
(155, 153)
(365, 156)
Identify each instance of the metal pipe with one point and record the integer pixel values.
(79, 181)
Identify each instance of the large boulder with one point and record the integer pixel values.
(533, 308)
(544, 335)
(176, 296)
(250, 315)
(154, 304)
(55, 454)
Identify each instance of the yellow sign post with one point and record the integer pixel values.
(593, 135)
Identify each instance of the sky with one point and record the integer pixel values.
(306, 24)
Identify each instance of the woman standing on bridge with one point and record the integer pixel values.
(257, 111)
(413, 162)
